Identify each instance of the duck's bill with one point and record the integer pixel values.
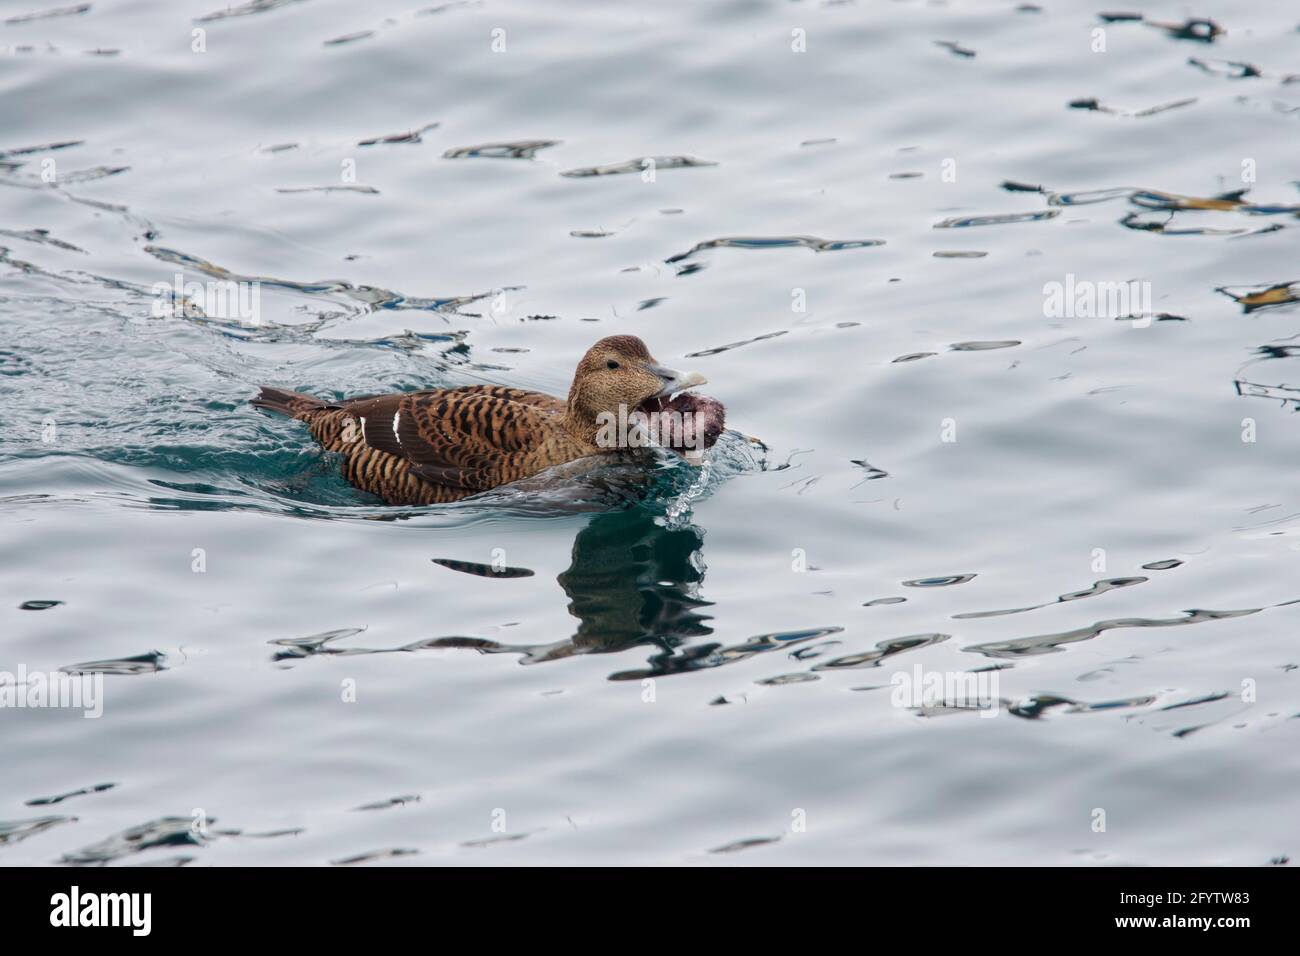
(676, 381)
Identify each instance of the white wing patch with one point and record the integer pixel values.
(397, 419)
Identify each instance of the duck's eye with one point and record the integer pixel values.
(611, 364)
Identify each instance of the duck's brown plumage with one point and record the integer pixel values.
(419, 448)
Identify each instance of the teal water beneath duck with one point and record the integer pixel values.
(891, 235)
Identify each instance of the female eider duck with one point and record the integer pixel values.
(419, 448)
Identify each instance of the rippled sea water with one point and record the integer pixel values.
(854, 216)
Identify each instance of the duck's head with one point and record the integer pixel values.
(618, 377)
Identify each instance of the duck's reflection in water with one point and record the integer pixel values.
(632, 581)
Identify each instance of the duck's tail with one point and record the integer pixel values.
(285, 402)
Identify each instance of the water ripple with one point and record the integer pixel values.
(1051, 643)
(776, 242)
(522, 149)
(637, 165)
(707, 656)
(1098, 588)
